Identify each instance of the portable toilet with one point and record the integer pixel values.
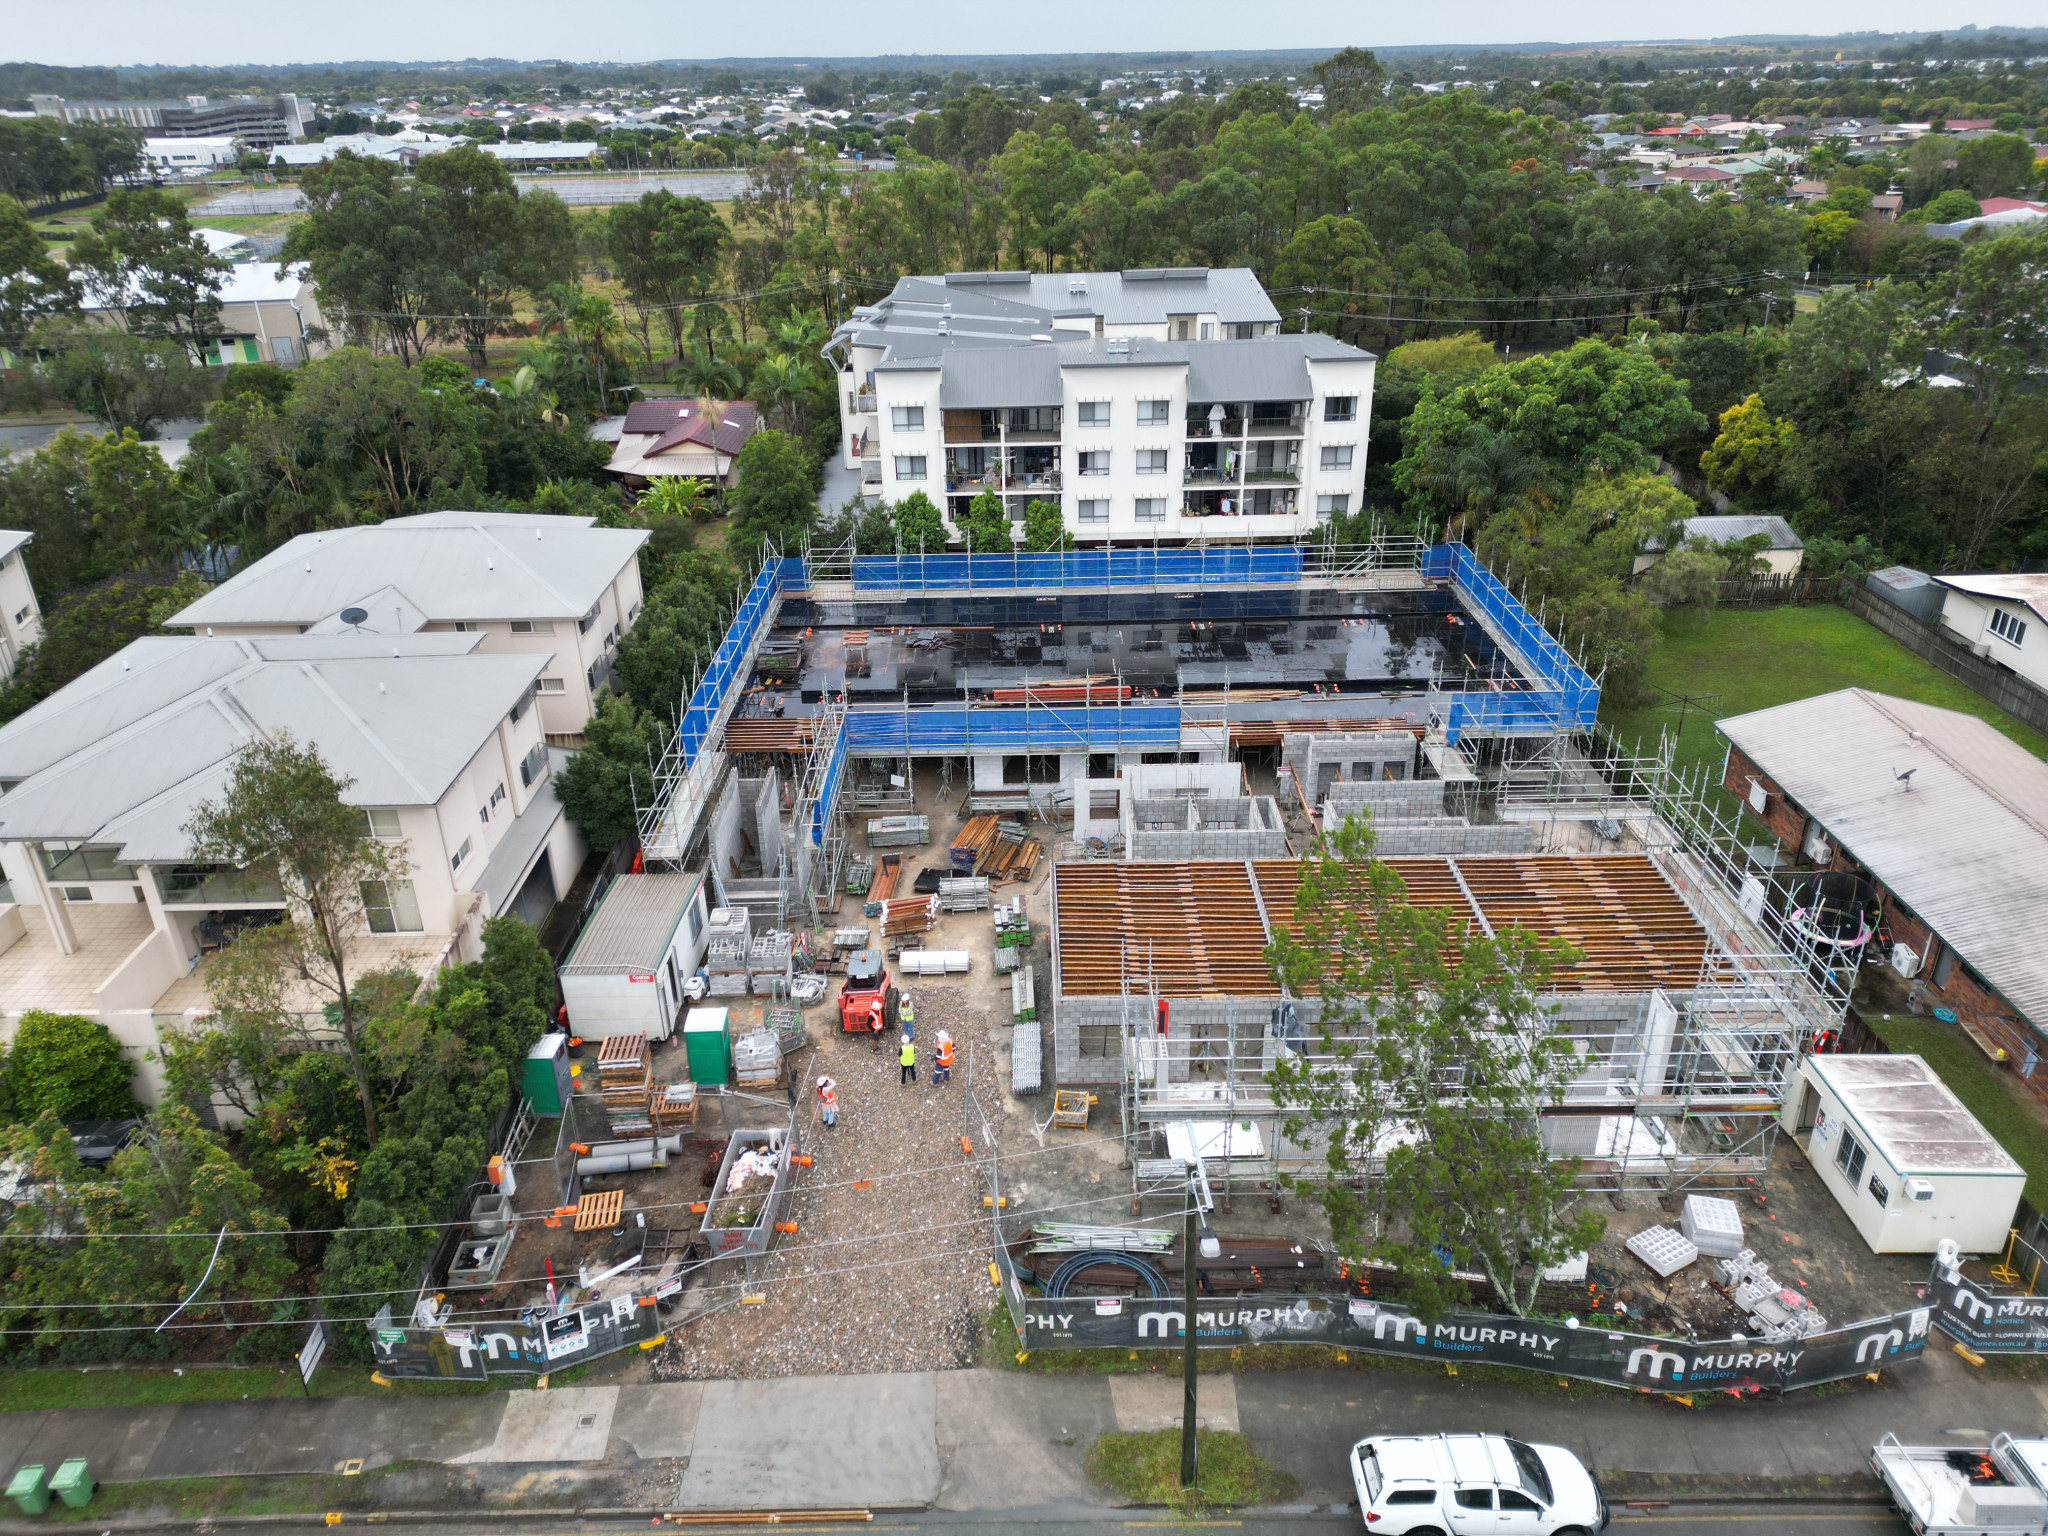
(546, 1079)
(704, 1041)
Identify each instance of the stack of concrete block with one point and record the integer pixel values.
(1712, 1225)
(1664, 1249)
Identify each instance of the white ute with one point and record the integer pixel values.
(1452, 1485)
(2000, 1489)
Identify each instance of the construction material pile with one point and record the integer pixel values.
(860, 874)
(1027, 1040)
(998, 848)
(963, 895)
(1779, 1313)
(1121, 1261)
(625, 1079)
(909, 914)
(725, 954)
(768, 962)
(887, 870)
(787, 1025)
(746, 1191)
(899, 831)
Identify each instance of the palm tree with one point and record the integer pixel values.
(675, 496)
(781, 385)
(701, 373)
(801, 333)
(1483, 474)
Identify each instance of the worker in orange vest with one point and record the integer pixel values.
(942, 1064)
(875, 1021)
(828, 1102)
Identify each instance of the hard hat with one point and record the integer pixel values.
(944, 1036)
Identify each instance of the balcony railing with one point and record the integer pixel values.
(971, 483)
(1292, 427)
(1290, 475)
(192, 887)
(1044, 480)
(1194, 477)
(870, 471)
(973, 433)
(863, 403)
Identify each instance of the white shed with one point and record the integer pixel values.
(1902, 1156)
(625, 973)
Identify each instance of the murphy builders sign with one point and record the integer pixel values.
(1619, 1358)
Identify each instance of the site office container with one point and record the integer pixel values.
(625, 974)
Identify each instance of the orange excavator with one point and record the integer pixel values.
(866, 991)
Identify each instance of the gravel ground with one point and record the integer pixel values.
(909, 1254)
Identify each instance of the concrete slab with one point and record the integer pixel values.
(814, 1442)
(658, 1422)
(18, 1432)
(568, 1424)
(1145, 1403)
(435, 1428)
(1000, 1435)
(268, 1436)
(118, 1443)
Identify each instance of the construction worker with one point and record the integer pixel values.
(942, 1062)
(828, 1102)
(907, 1060)
(906, 1017)
(875, 1021)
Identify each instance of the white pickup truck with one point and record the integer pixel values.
(2000, 1489)
(1466, 1485)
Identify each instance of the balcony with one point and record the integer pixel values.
(970, 485)
(870, 469)
(1287, 475)
(862, 402)
(197, 885)
(1033, 480)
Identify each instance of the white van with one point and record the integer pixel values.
(1459, 1485)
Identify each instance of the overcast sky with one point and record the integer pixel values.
(264, 32)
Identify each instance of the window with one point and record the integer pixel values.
(525, 703)
(460, 854)
(483, 814)
(1096, 463)
(381, 822)
(1333, 504)
(1412, 1496)
(1092, 413)
(534, 765)
(533, 626)
(1151, 461)
(1850, 1157)
(78, 861)
(1475, 1498)
(2003, 625)
(1152, 413)
(1151, 509)
(390, 906)
(1340, 407)
(1208, 330)
(1337, 457)
(464, 627)
(910, 466)
(551, 685)
(1509, 1499)
(21, 616)
(583, 624)
(1535, 1476)
(907, 418)
(497, 795)
(1092, 511)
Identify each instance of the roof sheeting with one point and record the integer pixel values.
(1916, 1123)
(1730, 527)
(124, 754)
(1963, 842)
(631, 927)
(450, 566)
(2027, 588)
(990, 377)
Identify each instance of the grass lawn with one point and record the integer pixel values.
(1990, 1093)
(1229, 1474)
(137, 1386)
(1753, 658)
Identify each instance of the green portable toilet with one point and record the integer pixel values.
(73, 1483)
(704, 1040)
(546, 1081)
(29, 1490)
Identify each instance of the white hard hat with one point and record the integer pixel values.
(824, 1082)
(944, 1036)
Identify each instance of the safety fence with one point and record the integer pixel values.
(729, 662)
(1650, 1362)
(958, 731)
(1258, 565)
(472, 1352)
(1564, 698)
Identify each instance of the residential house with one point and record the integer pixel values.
(560, 589)
(268, 313)
(689, 439)
(21, 616)
(105, 913)
(1703, 180)
(1154, 404)
(1945, 815)
(193, 155)
(1887, 206)
(2001, 616)
(1782, 557)
(1804, 191)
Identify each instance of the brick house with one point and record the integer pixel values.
(1944, 814)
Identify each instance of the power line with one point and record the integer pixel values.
(1728, 280)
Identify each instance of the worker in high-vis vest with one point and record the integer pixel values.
(906, 1017)
(828, 1101)
(876, 1011)
(907, 1060)
(942, 1062)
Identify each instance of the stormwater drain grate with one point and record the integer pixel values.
(588, 1421)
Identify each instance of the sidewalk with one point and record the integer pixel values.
(982, 1439)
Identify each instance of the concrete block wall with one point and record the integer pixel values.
(1388, 800)
(1452, 835)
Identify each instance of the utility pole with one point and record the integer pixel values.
(1189, 1241)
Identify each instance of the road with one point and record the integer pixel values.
(1689, 1520)
(718, 186)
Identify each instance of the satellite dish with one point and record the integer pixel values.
(355, 616)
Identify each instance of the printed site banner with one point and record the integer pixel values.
(1620, 1359)
(1988, 1318)
(470, 1353)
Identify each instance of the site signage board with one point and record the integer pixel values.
(475, 1350)
(1988, 1318)
(1618, 1357)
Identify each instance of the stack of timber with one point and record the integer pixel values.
(625, 1079)
(909, 914)
(973, 841)
(887, 870)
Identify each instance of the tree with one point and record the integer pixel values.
(283, 821)
(493, 241)
(676, 496)
(1689, 576)
(919, 527)
(668, 251)
(127, 381)
(1338, 263)
(141, 259)
(33, 283)
(1045, 528)
(1825, 234)
(1753, 446)
(372, 235)
(70, 1067)
(1484, 473)
(1997, 165)
(392, 434)
(611, 777)
(107, 152)
(774, 493)
(987, 526)
(1950, 207)
(1351, 79)
(1434, 1037)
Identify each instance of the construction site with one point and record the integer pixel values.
(1052, 809)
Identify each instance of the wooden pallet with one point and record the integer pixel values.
(607, 1208)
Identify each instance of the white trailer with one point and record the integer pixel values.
(625, 973)
(2000, 1489)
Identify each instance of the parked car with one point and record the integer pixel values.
(1452, 1485)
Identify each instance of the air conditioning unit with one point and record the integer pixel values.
(1906, 961)
(1919, 1189)
(1981, 648)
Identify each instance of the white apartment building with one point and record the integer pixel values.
(104, 913)
(1159, 404)
(21, 616)
(528, 583)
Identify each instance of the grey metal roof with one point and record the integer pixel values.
(632, 926)
(12, 539)
(1915, 1122)
(1141, 296)
(977, 377)
(447, 565)
(124, 754)
(1729, 527)
(2030, 589)
(1963, 843)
